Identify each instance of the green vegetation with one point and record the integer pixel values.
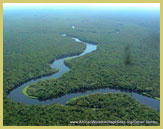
(127, 62)
(68, 59)
(157, 98)
(117, 106)
(127, 57)
(31, 53)
(97, 107)
(24, 91)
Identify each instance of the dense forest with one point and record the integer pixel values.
(96, 107)
(128, 62)
(127, 57)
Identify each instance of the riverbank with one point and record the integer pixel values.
(24, 91)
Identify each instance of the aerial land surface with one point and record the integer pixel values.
(127, 57)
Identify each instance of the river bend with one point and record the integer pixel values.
(17, 95)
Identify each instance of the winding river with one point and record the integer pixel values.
(18, 96)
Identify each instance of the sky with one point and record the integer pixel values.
(144, 5)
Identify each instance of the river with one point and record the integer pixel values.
(17, 95)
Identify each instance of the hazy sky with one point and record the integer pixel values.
(144, 5)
